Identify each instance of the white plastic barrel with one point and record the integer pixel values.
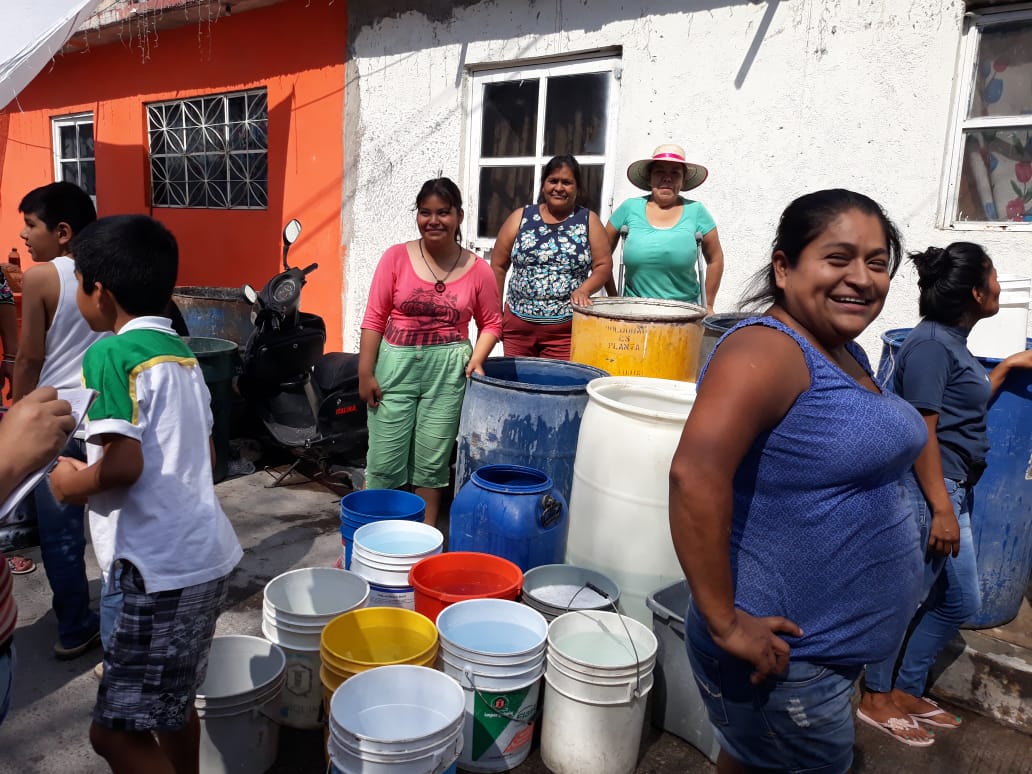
(1005, 332)
(383, 553)
(619, 513)
(396, 720)
(597, 682)
(495, 649)
(238, 705)
(297, 606)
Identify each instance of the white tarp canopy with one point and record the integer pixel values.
(32, 33)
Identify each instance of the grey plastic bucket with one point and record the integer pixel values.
(238, 704)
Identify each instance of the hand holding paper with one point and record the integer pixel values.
(32, 433)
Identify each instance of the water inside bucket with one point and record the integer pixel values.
(494, 637)
(399, 544)
(398, 721)
(568, 596)
(598, 648)
(468, 582)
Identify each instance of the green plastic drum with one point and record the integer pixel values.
(217, 358)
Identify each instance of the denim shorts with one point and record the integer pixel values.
(800, 722)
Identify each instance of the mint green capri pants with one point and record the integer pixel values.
(412, 432)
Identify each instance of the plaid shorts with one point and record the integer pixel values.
(157, 656)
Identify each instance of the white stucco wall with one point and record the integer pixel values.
(776, 98)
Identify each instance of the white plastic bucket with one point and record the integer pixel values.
(238, 705)
(1005, 332)
(297, 606)
(596, 686)
(495, 649)
(396, 720)
(628, 435)
(383, 553)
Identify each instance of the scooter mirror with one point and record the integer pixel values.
(250, 294)
(291, 232)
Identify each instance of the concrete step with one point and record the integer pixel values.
(990, 671)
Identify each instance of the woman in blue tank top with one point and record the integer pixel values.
(784, 497)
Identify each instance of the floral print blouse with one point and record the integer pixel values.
(549, 262)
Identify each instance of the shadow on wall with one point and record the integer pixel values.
(546, 13)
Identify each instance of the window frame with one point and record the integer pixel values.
(582, 64)
(975, 23)
(73, 119)
(224, 97)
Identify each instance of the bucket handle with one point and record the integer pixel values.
(636, 693)
(551, 511)
(467, 672)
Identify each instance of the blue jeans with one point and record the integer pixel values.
(110, 603)
(62, 543)
(6, 682)
(953, 596)
(801, 721)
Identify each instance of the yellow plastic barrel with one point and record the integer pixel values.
(372, 637)
(639, 337)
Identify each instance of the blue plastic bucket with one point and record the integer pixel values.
(1001, 518)
(511, 511)
(369, 505)
(524, 411)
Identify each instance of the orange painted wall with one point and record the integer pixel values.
(296, 49)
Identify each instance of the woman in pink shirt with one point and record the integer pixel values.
(415, 354)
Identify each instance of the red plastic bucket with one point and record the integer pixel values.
(443, 579)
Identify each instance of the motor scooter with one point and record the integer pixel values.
(307, 400)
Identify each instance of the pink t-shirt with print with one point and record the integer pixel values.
(409, 312)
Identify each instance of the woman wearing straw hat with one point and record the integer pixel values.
(558, 251)
(663, 231)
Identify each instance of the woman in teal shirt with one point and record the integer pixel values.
(661, 230)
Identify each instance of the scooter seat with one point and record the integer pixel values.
(336, 371)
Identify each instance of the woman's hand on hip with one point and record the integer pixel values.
(755, 640)
(369, 391)
(944, 536)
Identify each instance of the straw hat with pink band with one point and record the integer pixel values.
(694, 174)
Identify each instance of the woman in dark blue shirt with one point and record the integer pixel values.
(935, 372)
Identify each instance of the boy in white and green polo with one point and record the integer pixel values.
(152, 504)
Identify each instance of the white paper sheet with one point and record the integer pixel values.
(81, 399)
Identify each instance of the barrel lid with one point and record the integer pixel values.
(642, 310)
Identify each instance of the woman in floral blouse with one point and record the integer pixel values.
(559, 255)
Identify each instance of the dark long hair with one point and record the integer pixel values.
(445, 190)
(946, 277)
(802, 222)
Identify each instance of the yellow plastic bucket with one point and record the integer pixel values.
(371, 637)
(639, 337)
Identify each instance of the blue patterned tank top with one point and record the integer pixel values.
(819, 534)
(549, 262)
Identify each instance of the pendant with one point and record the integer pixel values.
(439, 286)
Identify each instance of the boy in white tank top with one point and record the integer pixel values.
(54, 338)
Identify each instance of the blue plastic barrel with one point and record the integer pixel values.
(368, 505)
(524, 411)
(510, 511)
(1001, 518)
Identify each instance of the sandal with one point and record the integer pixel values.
(20, 565)
(893, 727)
(928, 718)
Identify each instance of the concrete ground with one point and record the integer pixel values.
(287, 528)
